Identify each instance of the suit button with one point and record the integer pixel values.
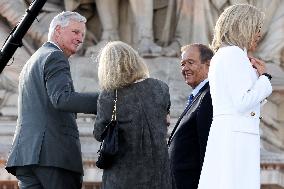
(252, 114)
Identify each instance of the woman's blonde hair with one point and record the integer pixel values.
(119, 66)
(237, 25)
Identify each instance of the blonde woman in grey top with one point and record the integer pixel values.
(142, 107)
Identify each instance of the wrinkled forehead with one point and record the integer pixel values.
(190, 53)
(73, 24)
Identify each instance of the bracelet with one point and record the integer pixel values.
(267, 75)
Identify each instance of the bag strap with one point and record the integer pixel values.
(113, 116)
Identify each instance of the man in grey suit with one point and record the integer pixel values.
(46, 150)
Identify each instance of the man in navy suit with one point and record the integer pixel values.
(187, 143)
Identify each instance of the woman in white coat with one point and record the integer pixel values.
(239, 85)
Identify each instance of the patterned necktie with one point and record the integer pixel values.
(190, 99)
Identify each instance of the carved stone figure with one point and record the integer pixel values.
(273, 40)
(195, 21)
(143, 18)
(12, 11)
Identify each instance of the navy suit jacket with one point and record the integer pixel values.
(187, 142)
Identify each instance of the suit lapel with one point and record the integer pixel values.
(188, 110)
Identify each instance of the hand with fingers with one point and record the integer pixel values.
(258, 64)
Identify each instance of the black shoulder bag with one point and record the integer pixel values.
(109, 146)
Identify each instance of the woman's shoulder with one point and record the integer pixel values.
(231, 51)
(156, 82)
(106, 95)
(151, 86)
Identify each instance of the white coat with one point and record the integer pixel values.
(232, 158)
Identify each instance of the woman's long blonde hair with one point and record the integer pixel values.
(119, 66)
(237, 25)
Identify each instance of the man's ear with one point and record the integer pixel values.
(57, 29)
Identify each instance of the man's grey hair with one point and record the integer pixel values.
(63, 20)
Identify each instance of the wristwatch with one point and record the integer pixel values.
(267, 75)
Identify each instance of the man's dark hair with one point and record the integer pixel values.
(206, 53)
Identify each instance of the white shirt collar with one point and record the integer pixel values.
(139, 80)
(55, 45)
(198, 87)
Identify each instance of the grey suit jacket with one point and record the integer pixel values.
(46, 132)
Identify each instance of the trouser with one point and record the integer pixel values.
(40, 177)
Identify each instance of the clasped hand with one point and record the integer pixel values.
(258, 64)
